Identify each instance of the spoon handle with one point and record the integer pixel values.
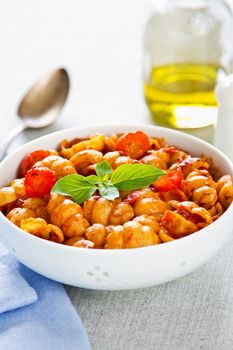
(12, 134)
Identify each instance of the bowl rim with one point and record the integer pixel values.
(192, 237)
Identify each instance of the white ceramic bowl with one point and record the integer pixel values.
(116, 269)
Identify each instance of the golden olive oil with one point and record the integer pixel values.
(182, 95)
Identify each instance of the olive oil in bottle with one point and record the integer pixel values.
(186, 48)
(182, 95)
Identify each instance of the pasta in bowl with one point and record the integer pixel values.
(116, 207)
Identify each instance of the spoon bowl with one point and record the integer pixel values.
(41, 105)
(43, 102)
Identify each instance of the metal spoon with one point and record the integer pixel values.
(41, 105)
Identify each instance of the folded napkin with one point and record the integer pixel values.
(35, 312)
(12, 298)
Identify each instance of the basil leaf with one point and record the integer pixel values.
(125, 177)
(103, 168)
(109, 192)
(92, 179)
(75, 186)
(135, 176)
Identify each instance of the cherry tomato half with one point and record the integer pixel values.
(171, 181)
(133, 144)
(30, 159)
(39, 181)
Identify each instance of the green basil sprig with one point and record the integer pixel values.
(126, 177)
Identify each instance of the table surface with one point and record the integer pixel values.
(100, 43)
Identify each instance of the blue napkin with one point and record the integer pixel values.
(41, 317)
